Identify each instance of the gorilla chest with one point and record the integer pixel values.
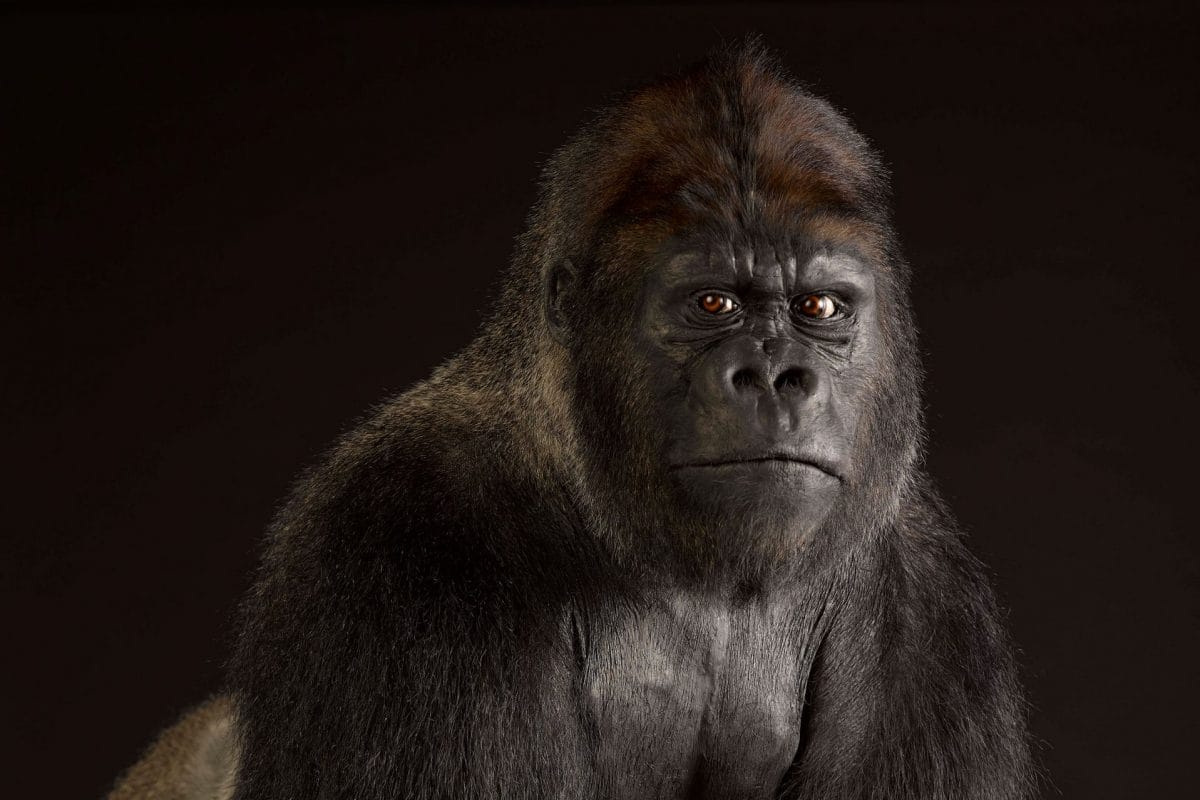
(692, 699)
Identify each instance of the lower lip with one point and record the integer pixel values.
(765, 464)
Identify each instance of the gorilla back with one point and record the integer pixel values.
(662, 530)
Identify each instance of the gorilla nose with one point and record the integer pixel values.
(770, 395)
(789, 382)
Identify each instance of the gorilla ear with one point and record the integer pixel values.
(560, 284)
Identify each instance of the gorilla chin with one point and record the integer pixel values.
(797, 489)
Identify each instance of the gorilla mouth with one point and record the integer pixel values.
(779, 458)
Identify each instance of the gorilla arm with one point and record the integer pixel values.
(914, 693)
(309, 638)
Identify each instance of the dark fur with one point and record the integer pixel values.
(419, 621)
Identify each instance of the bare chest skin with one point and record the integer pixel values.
(690, 697)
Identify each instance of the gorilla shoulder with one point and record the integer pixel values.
(436, 484)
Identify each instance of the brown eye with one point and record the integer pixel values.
(816, 306)
(717, 303)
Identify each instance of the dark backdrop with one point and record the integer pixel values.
(225, 236)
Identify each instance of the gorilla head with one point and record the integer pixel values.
(726, 309)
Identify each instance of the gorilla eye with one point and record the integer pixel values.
(815, 306)
(714, 303)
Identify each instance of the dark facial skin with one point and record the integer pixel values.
(759, 362)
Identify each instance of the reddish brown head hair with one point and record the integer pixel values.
(731, 147)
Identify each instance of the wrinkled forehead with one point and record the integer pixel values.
(747, 262)
(699, 244)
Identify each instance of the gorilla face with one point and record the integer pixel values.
(722, 390)
(757, 364)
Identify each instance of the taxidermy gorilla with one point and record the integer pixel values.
(661, 531)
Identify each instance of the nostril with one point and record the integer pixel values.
(744, 379)
(790, 380)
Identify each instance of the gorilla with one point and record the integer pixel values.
(661, 531)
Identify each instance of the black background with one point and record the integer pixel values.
(225, 236)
